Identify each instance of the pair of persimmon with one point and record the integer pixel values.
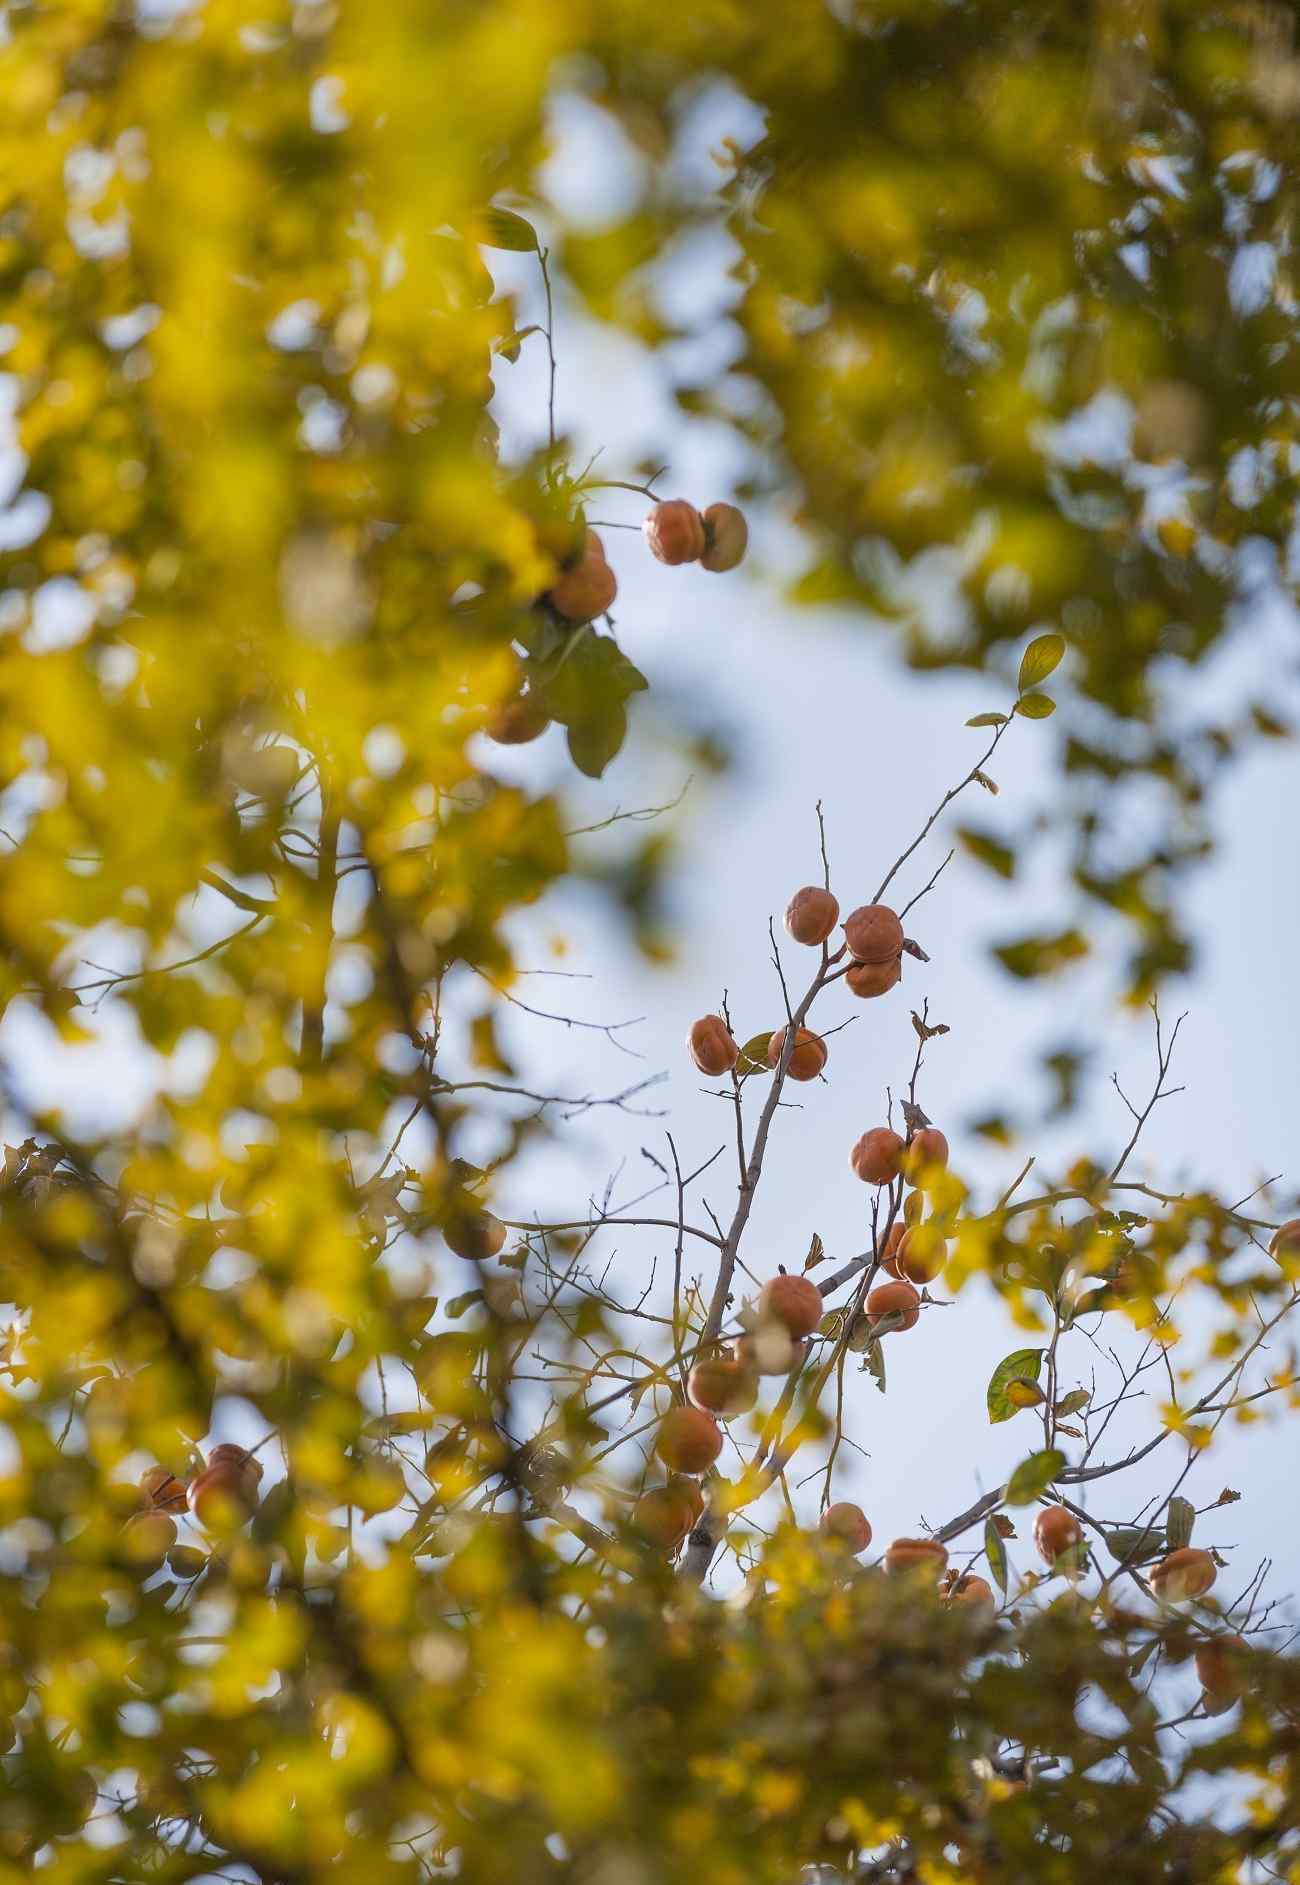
(715, 1051)
(221, 1497)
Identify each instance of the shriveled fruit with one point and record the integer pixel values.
(675, 531)
(922, 1557)
(1220, 1670)
(516, 722)
(873, 933)
(689, 1440)
(712, 1046)
(1285, 1241)
(1056, 1530)
(807, 1056)
(723, 1385)
(726, 537)
(847, 1524)
(588, 589)
(875, 1157)
(1183, 1574)
(222, 1496)
(894, 1299)
(771, 1349)
(973, 1592)
(474, 1235)
(921, 1255)
(811, 915)
(147, 1537)
(663, 1516)
(867, 979)
(161, 1488)
(926, 1151)
(793, 1301)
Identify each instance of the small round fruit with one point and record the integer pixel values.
(794, 1302)
(726, 537)
(772, 1350)
(867, 979)
(723, 1385)
(474, 1235)
(811, 915)
(1183, 1574)
(588, 589)
(162, 1489)
(926, 1150)
(186, 1561)
(1285, 1241)
(921, 1255)
(222, 1496)
(516, 722)
(712, 1046)
(689, 1440)
(807, 1057)
(975, 1593)
(875, 1158)
(873, 933)
(663, 1516)
(1219, 1668)
(922, 1557)
(147, 1537)
(240, 1455)
(889, 1249)
(894, 1299)
(675, 531)
(847, 1524)
(1056, 1530)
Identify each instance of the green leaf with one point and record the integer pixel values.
(753, 1055)
(1036, 706)
(1135, 1544)
(504, 230)
(1033, 1476)
(996, 1553)
(1040, 658)
(594, 742)
(1025, 1365)
(1072, 1403)
(1179, 1521)
(1041, 955)
(988, 720)
(996, 857)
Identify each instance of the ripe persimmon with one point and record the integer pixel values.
(222, 1496)
(664, 1515)
(1219, 1667)
(811, 915)
(161, 1489)
(688, 1440)
(889, 1249)
(516, 722)
(867, 979)
(920, 1556)
(807, 1057)
(1183, 1574)
(587, 589)
(894, 1299)
(726, 537)
(723, 1385)
(873, 933)
(793, 1301)
(1285, 1241)
(926, 1150)
(875, 1158)
(974, 1591)
(474, 1235)
(913, 1208)
(675, 531)
(921, 1255)
(712, 1046)
(771, 1349)
(1056, 1530)
(847, 1524)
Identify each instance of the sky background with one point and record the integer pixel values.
(815, 705)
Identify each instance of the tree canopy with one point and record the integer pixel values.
(348, 1532)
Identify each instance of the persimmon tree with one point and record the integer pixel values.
(352, 1524)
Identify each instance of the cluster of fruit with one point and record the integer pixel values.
(221, 1496)
(586, 587)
